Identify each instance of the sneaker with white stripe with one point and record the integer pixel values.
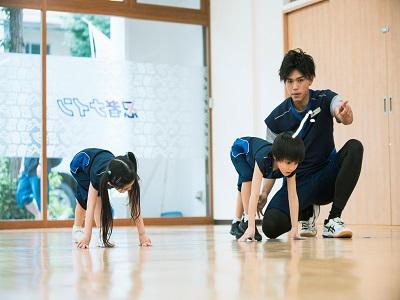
(99, 241)
(335, 228)
(77, 233)
(308, 228)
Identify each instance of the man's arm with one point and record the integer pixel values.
(341, 110)
(270, 135)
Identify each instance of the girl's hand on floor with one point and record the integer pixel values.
(83, 243)
(144, 240)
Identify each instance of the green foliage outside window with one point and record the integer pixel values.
(8, 187)
(78, 32)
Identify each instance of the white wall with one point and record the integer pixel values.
(246, 52)
(164, 43)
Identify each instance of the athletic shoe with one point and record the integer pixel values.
(243, 227)
(77, 233)
(335, 228)
(308, 228)
(235, 229)
(257, 236)
(99, 241)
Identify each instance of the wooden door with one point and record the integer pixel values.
(348, 48)
(393, 54)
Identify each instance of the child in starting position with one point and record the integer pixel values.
(255, 159)
(96, 171)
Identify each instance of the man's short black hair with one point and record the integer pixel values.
(287, 147)
(298, 60)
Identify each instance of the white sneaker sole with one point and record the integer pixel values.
(100, 244)
(344, 234)
(77, 236)
(308, 234)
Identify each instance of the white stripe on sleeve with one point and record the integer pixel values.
(270, 136)
(335, 103)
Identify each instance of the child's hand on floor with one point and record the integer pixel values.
(248, 235)
(144, 240)
(294, 234)
(83, 243)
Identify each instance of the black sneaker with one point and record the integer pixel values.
(235, 229)
(243, 227)
(257, 236)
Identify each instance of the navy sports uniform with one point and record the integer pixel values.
(246, 151)
(316, 175)
(87, 167)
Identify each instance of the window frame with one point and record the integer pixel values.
(129, 9)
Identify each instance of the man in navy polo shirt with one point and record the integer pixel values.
(325, 176)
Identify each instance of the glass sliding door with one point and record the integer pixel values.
(20, 114)
(192, 4)
(129, 85)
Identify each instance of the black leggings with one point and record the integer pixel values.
(349, 157)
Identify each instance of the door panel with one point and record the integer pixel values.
(393, 50)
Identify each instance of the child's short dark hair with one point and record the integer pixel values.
(287, 147)
(298, 60)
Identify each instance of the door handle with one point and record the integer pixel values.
(390, 104)
(384, 104)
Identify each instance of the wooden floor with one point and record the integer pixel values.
(200, 262)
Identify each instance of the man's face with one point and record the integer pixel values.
(298, 86)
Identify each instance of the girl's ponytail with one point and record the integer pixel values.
(134, 193)
(132, 158)
(106, 210)
(134, 199)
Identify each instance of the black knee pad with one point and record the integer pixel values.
(269, 229)
(275, 223)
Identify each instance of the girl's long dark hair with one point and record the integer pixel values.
(120, 171)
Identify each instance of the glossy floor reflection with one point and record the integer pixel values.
(200, 262)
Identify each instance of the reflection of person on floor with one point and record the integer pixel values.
(28, 188)
(90, 268)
